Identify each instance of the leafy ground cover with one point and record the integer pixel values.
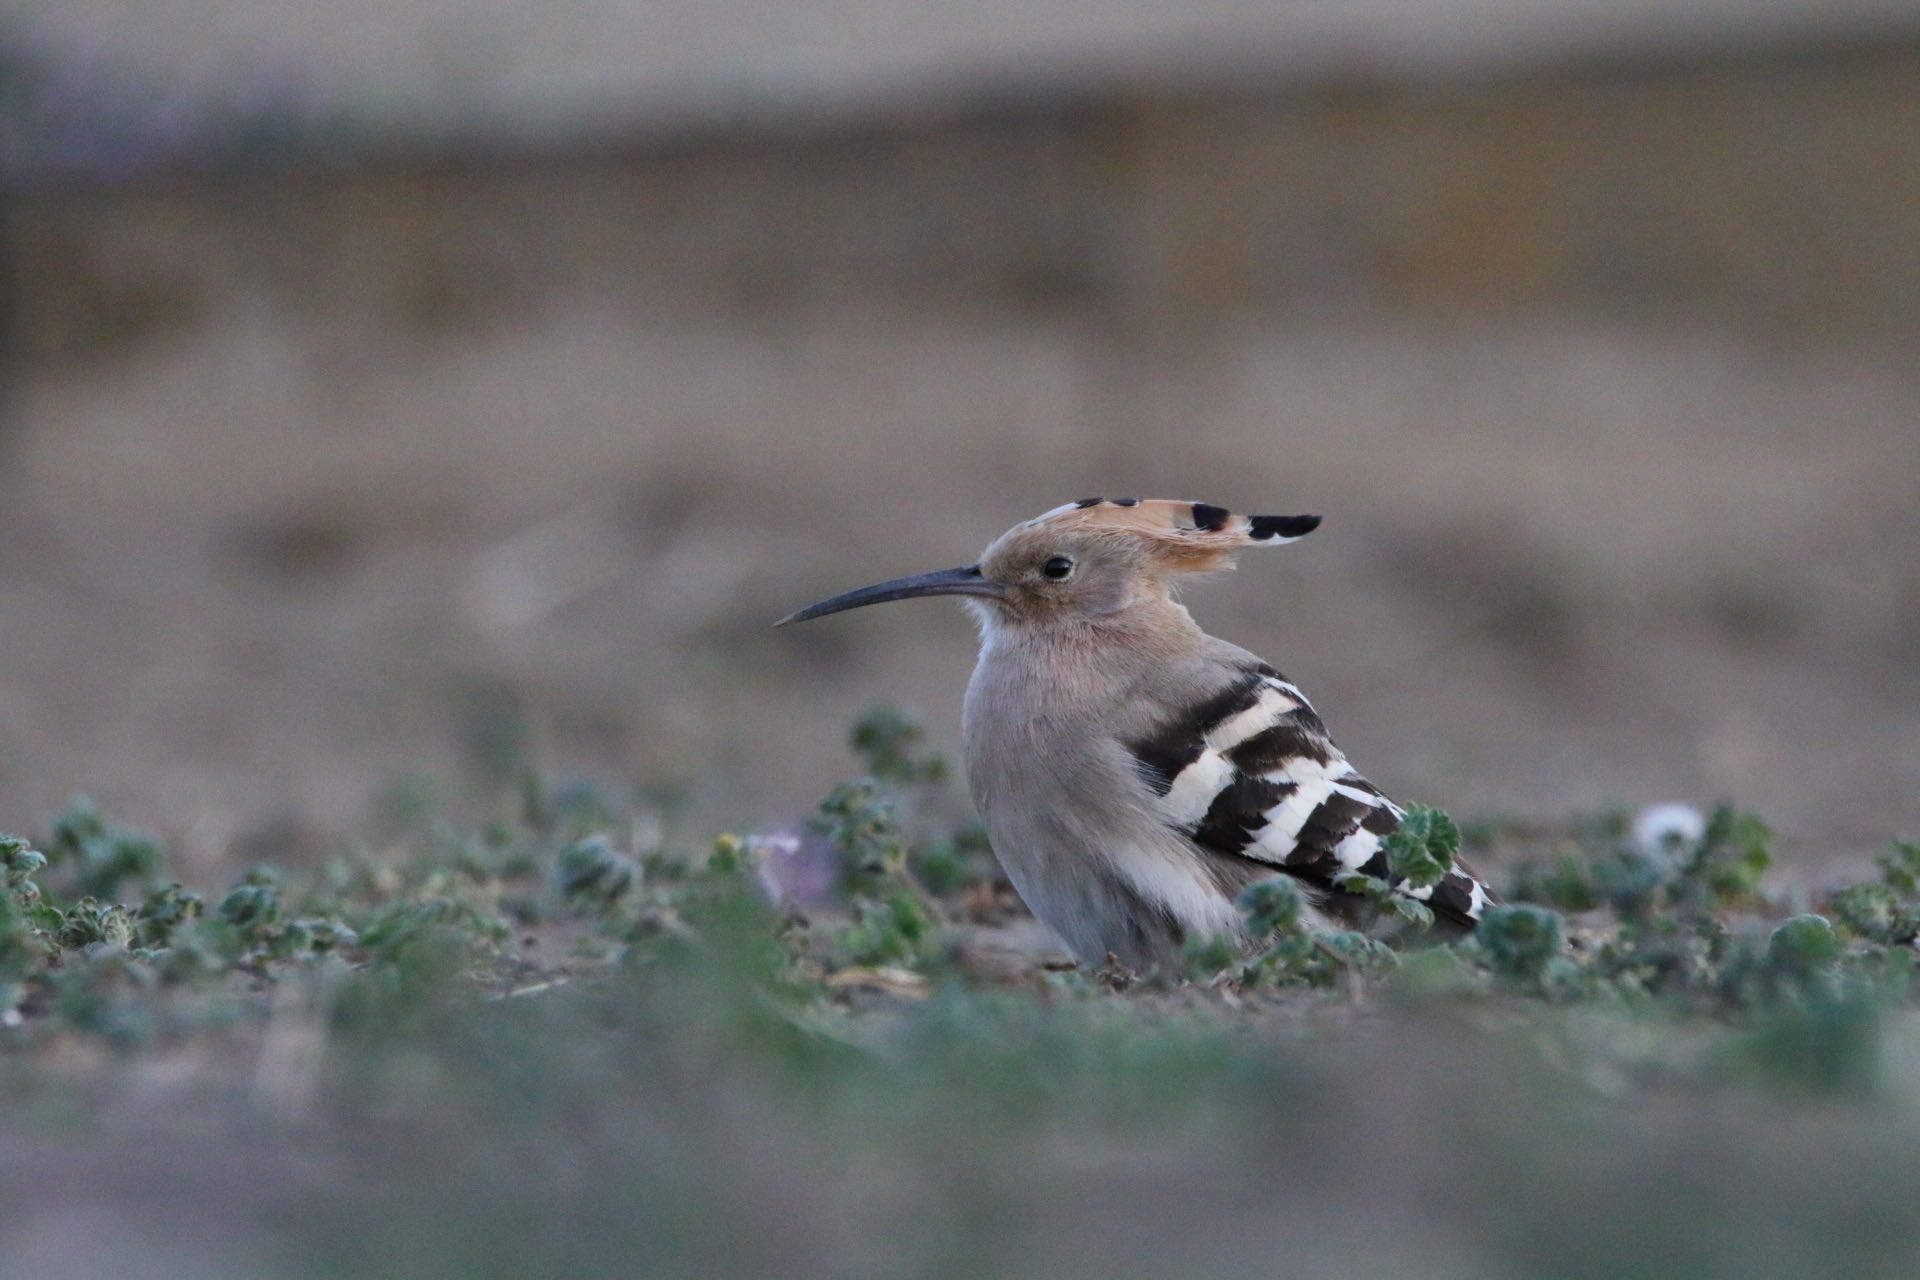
(538, 1031)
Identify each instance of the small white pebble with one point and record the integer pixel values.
(1665, 830)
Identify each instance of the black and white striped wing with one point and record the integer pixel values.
(1251, 774)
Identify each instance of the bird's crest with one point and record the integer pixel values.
(1188, 535)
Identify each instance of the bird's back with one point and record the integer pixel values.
(1131, 801)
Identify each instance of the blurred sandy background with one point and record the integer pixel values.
(363, 384)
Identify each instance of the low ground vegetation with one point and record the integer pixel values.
(533, 1029)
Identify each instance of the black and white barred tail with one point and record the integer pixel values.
(1251, 774)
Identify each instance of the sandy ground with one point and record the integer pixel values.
(246, 577)
(576, 65)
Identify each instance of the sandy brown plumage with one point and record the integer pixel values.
(1135, 773)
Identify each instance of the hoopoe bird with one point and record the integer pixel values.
(1135, 773)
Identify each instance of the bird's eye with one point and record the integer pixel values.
(1057, 568)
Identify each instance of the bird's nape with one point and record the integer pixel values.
(966, 580)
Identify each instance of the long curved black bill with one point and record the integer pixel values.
(964, 581)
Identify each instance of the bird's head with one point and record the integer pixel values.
(1092, 558)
